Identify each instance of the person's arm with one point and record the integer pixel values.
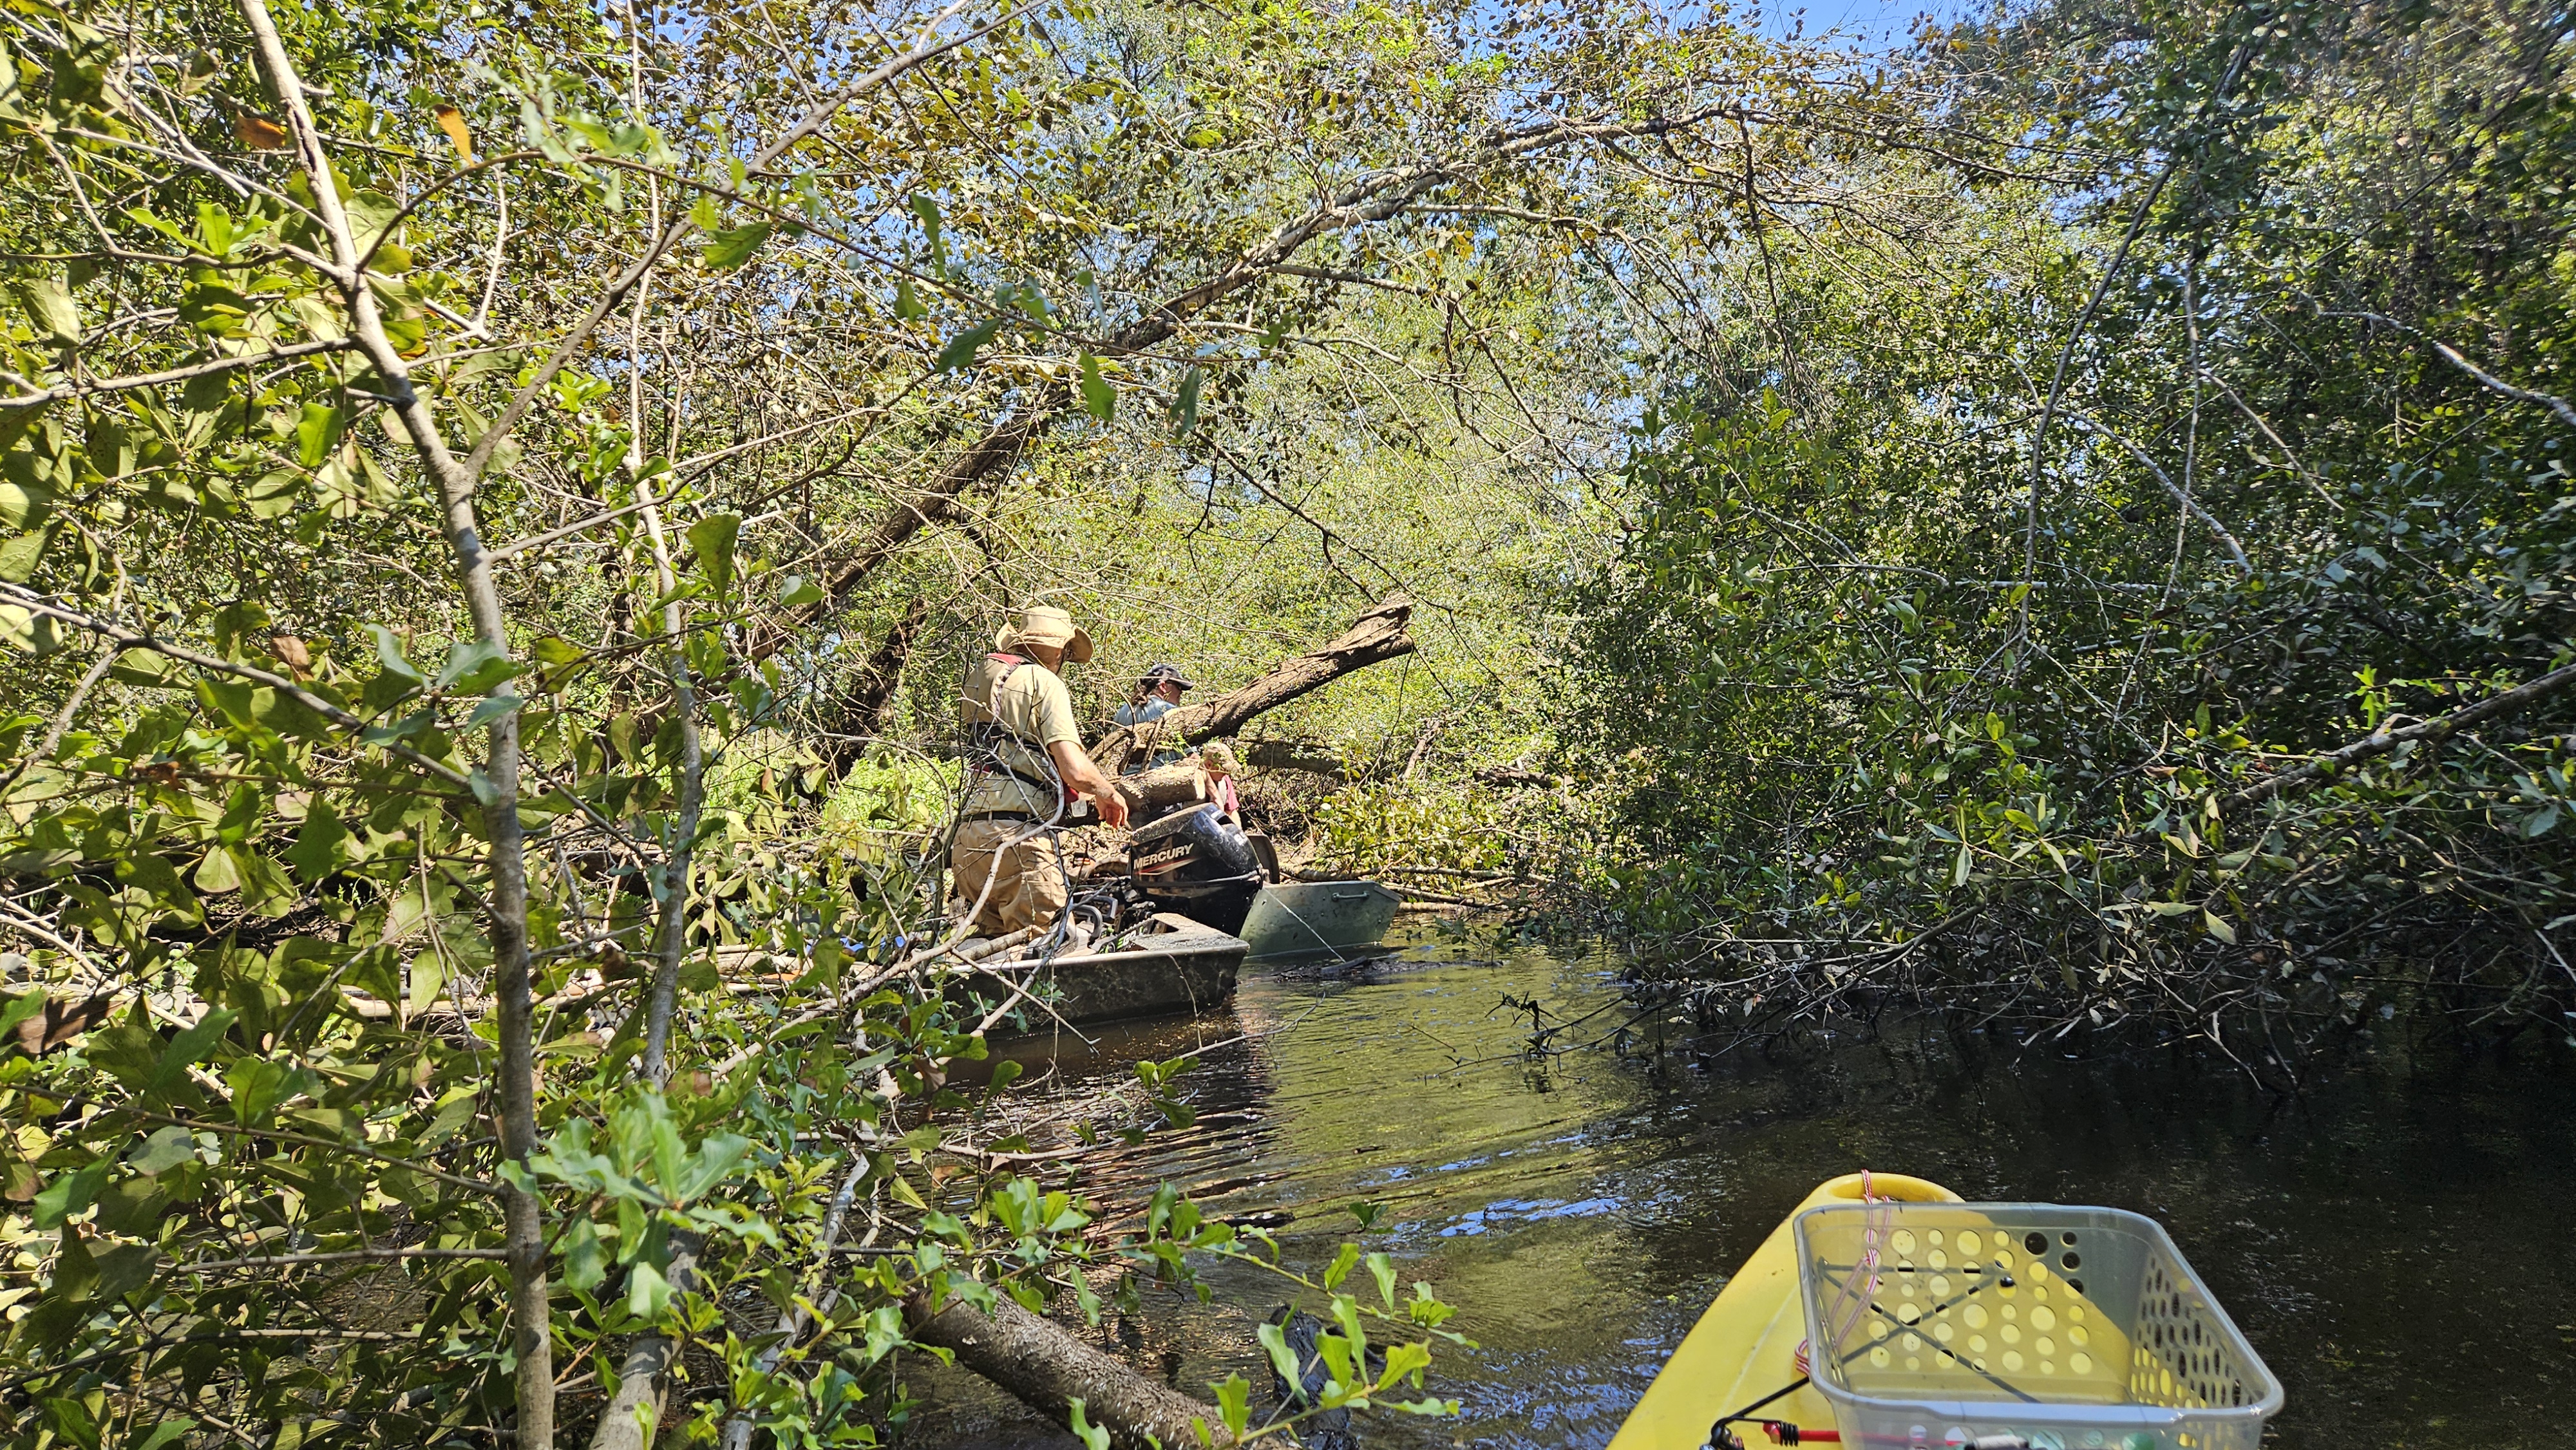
(1085, 779)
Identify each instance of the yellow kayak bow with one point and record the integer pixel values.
(1939, 1324)
(1746, 1345)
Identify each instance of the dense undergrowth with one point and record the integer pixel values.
(1887, 695)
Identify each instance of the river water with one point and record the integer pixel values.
(2395, 1243)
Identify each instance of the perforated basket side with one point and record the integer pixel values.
(2179, 1355)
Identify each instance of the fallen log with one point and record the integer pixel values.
(1153, 792)
(1047, 1368)
(1374, 637)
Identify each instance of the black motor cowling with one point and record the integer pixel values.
(1198, 864)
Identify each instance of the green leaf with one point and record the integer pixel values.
(713, 537)
(962, 348)
(1234, 1402)
(647, 1292)
(163, 1151)
(281, 711)
(799, 591)
(732, 248)
(907, 302)
(24, 503)
(146, 668)
(1098, 398)
(1024, 295)
(2218, 928)
(621, 737)
(190, 1047)
(218, 873)
(1093, 1436)
(1282, 1358)
(585, 1258)
(427, 976)
(317, 433)
(389, 651)
(1382, 1269)
(495, 708)
(13, 101)
(215, 228)
(19, 1010)
(554, 649)
(474, 666)
(49, 307)
(124, 1269)
(1185, 406)
(24, 629)
(258, 1085)
(317, 851)
(1403, 1360)
(19, 556)
(1427, 1407)
(1343, 1262)
(69, 1193)
(168, 1432)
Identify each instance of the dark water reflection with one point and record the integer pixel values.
(2395, 1244)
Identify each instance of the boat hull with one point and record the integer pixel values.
(1186, 966)
(1746, 1345)
(1318, 918)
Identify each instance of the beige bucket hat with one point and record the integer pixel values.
(1045, 624)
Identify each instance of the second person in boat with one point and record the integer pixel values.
(1158, 694)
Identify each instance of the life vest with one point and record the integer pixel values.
(986, 735)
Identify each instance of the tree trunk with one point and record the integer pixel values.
(860, 710)
(636, 1409)
(670, 925)
(1047, 1367)
(1375, 636)
(531, 1314)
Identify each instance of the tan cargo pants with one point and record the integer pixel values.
(1024, 865)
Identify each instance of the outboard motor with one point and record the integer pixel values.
(1198, 864)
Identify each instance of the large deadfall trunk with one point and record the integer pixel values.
(1048, 1368)
(1376, 636)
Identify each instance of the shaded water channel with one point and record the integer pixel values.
(2396, 1244)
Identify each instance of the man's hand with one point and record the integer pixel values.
(1086, 779)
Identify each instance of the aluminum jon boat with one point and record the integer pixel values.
(1171, 964)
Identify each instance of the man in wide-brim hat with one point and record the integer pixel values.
(1028, 766)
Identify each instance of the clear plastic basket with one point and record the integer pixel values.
(2072, 1328)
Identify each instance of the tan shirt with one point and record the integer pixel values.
(1036, 711)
